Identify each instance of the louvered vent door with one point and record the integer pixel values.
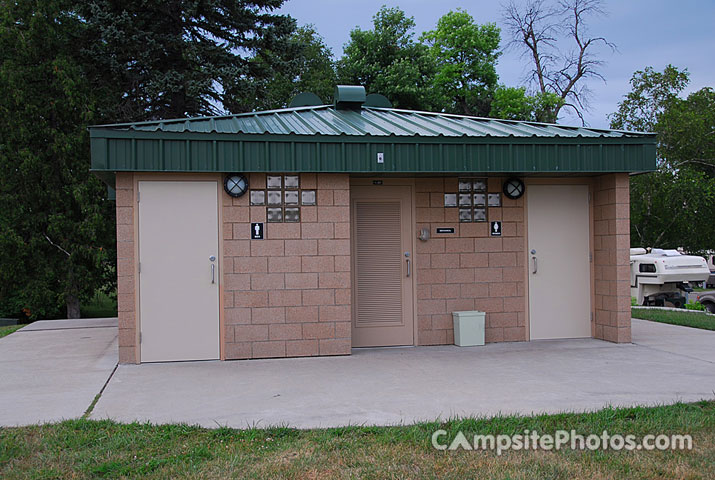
(382, 289)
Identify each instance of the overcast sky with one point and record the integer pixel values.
(646, 32)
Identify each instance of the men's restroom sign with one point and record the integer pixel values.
(256, 231)
(495, 230)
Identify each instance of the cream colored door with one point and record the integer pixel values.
(382, 266)
(178, 280)
(559, 263)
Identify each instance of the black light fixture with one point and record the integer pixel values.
(235, 184)
(513, 188)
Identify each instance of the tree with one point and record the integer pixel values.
(650, 93)
(56, 227)
(465, 54)
(177, 58)
(673, 206)
(308, 67)
(512, 103)
(387, 60)
(686, 132)
(538, 28)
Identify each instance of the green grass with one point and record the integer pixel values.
(7, 330)
(688, 318)
(103, 449)
(101, 306)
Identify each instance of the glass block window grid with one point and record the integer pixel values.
(472, 200)
(283, 198)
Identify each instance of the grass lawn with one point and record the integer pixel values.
(685, 318)
(88, 449)
(8, 329)
(101, 306)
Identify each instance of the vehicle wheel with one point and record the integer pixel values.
(710, 307)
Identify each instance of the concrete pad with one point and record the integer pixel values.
(686, 341)
(48, 375)
(64, 324)
(404, 385)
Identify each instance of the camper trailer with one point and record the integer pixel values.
(663, 277)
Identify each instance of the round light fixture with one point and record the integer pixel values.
(513, 188)
(235, 184)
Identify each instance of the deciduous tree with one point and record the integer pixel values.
(466, 55)
(542, 31)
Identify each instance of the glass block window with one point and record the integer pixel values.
(274, 197)
(292, 214)
(450, 200)
(291, 181)
(275, 214)
(283, 198)
(291, 197)
(258, 197)
(274, 183)
(495, 200)
(307, 197)
(472, 199)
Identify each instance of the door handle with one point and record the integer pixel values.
(409, 267)
(536, 265)
(212, 259)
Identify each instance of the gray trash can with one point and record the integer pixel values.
(468, 328)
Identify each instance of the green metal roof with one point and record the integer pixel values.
(323, 138)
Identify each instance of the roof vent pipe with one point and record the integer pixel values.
(349, 97)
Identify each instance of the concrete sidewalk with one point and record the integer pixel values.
(403, 385)
(52, 369)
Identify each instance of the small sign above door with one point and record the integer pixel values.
(495, 230)
(256, 231)
(445, 230)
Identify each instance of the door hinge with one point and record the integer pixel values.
(140, 337)
(591, 316)
(138, 195)
(590, 257)
(589, 197)
(139, 267)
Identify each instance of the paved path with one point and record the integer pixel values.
(51, 370)
(389, 386)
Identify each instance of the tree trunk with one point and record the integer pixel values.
(72, 306)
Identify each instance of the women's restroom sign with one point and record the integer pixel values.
(495, 229)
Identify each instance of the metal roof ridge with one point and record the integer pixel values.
(227, 116)
(529, 122)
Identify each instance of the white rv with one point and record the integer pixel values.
(662, 277)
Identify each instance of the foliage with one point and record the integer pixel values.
(175, 58)
(307, 66)
(686, 133)
(673, 206)
(695, 306)
(466, 55)
(512, 103)
(542, 31)
(387, 60)
(650, 93)
(671, 209)
(56, 229)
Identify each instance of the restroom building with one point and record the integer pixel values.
(316, 229)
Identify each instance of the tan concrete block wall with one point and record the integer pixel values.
(289, 294)
(612, 258)
(469, 270)
(126, 295)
